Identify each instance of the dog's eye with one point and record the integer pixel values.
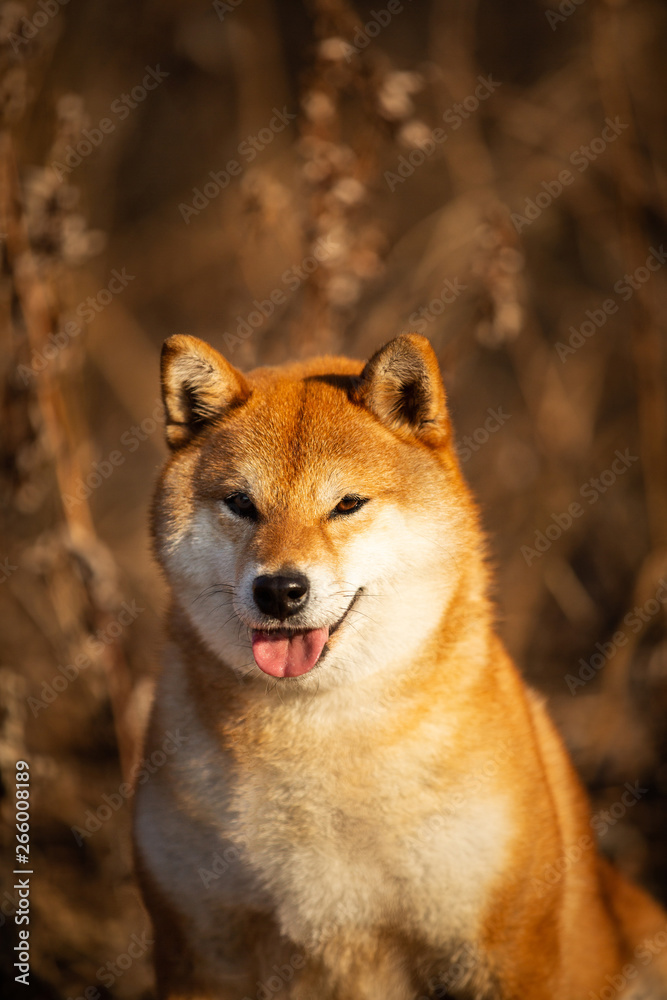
(241, 504)
(348, 505)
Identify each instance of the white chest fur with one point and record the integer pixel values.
(322, 842)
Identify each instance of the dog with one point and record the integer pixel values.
(368, 803)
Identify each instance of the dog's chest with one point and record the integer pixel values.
(354, 842)
(321, 828)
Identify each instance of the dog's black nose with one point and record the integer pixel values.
(280, 596)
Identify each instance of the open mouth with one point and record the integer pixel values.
(287, 652)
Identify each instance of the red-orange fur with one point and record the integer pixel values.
(363, 765)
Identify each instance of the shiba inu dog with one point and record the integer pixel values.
(368, 803)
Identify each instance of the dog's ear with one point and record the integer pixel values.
(198, 385)
(402, 386)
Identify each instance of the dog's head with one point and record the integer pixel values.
(312, 519)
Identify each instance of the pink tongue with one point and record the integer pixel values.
(283, 655)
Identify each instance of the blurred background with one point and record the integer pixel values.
(314, 176)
